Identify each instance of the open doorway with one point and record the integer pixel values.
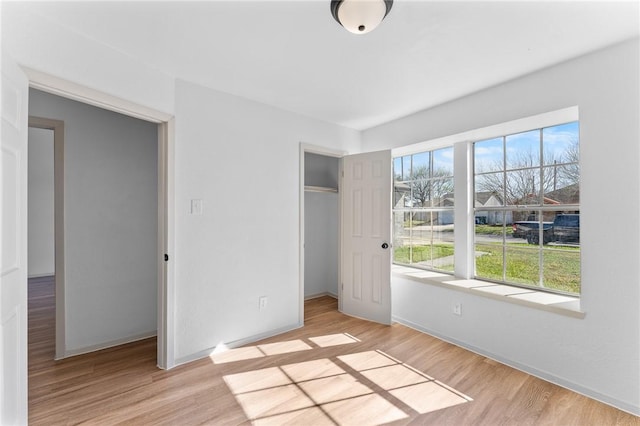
(110, 224)
(320, 223)
(46, 228)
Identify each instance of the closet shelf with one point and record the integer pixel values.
(310, 188)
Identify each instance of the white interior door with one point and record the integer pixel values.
(13, 233)
(366, 236)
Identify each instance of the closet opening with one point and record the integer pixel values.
(320, 225)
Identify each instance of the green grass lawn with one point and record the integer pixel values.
(423, 253)
(493, 230)
(561, 265)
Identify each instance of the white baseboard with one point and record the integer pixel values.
(48, 274)
(235, 344)
(591, 393)
(106, 345)
(326, 293)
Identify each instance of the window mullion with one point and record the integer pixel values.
(504, 203)
(541, 215)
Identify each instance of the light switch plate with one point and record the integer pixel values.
(196, 206)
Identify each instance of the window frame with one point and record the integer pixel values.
(430, 210)
(464, 182)
(538, 207)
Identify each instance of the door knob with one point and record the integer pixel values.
(385, 246)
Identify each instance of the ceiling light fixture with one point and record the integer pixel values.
(360, 16)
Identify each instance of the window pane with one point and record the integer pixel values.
(442, 192)
(491, 228)
(490, 218)
(421, 226)
(523, 187)
(442, 240)
(531, 226)
(566, 229)
(489, 261)
(489, 239)
(421, 230)
(423, 237)
(443, 162)
(397, 169)
(421, 165)
(488, 155)
(563, 183)
(401, 237)
(523, 264)
(421, 193)
(561, 266)
(523, 150)
(489, 190)
(401, 195)
(561, 144)
(405, 168)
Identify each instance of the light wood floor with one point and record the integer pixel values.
(272, 381)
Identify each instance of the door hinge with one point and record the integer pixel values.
(166, 257)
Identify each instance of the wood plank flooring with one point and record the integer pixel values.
(273, 381)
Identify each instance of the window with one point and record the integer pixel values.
(527, 208)
(423, 208)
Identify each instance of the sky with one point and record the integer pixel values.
(488, 154)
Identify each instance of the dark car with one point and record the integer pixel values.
(564, 229)
(523, 228)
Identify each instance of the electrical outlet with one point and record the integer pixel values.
(262, 303)
(457, 309)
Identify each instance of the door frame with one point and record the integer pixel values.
(58, 224)
(166, 177)
(328, 152)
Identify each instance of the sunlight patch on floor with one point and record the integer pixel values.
(284, 347)
(307, 416)
(239, 354)
(222, 355)
(310, 370)
(335, 388)
(368, 387)
(256, 380)
(367, 360)
(394, 376)
(333, 340)
(427, 397)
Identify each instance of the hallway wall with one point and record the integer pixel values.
(41, 250)
(110, 222)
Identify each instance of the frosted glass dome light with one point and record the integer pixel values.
(360, 16)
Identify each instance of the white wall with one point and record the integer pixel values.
(40, 226)
(321, 226)
(41, 44)
(598, 355)
(110, 222)
(242, 159)
(321, 243)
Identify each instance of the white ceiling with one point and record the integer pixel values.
(293, 55)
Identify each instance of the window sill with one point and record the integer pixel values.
(556, 303)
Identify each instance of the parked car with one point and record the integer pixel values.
(565, 228)
(523, 228)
